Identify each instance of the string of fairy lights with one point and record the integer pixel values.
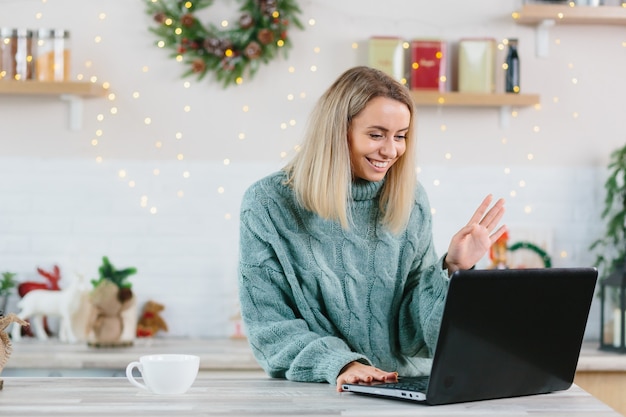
(104, 118)
(159, 143)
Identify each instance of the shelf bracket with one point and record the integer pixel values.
(542, 37)
(505, 116)
(75, 111)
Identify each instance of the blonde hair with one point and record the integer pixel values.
(321, 174)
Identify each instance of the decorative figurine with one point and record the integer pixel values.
(52, 283)
(113, 319)
(150, 321)
(39, 303)
(498, 253)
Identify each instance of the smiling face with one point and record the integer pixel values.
(377, 138)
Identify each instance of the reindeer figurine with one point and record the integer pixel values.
(52, 283)
(60, 303)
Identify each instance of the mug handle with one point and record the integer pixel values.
(131, 378)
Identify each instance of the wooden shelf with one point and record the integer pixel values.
(436, 98)
(544, 16)
(534, 14)
(504, 101)
(73, 92)
(52, 88)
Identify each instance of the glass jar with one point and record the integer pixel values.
(8, 43)
(23, 55)
(52, 62)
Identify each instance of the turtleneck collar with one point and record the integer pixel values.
(365, 190)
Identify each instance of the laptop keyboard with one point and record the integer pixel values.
(414, 383)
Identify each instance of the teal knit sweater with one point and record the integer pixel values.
(315, 297)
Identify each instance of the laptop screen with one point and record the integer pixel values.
(511, 332)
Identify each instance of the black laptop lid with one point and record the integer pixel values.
(523, 338)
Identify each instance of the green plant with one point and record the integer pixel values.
(7, 283)
(611, 248)
(117, 276)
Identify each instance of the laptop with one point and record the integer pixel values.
(504, 333)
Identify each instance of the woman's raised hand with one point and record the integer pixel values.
(473, 241)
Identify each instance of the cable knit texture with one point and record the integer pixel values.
(315, 297)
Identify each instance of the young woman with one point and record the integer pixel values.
(339, 280)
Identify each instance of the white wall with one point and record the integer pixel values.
(59, 205)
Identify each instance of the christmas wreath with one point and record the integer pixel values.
(231, 51)
(547, 261)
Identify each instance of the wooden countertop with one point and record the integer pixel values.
(29, 397)
(215, 354)
(594, 360)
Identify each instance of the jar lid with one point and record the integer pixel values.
(4, 32)
(44, 33)
(27, 33)
(61, 33)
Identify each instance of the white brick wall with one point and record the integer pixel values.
(72, 212)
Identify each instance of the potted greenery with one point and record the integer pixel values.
(113, 317)
(7, 283)
(611, 248)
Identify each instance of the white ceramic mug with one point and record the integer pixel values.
(166, 373)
